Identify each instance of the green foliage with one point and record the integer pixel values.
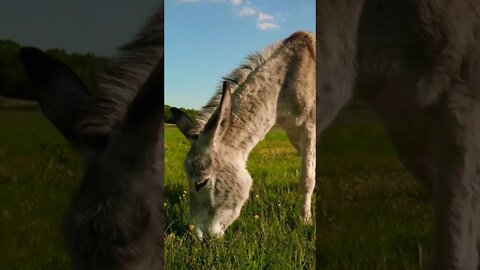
(38, 174)
(11, 72)
(86, 66)
(370, 214)
(169, 117)
(13, 78)
(267, 235)
(374, 215)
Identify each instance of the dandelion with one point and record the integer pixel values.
(171, 236)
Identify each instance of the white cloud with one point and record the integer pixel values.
(264, 21)
(247, 11)
(267, 26)
(198, 1)
(264, 17)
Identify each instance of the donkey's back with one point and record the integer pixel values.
(296, 101)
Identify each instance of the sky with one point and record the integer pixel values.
(207, 39)
(204, 39)
(76, 26)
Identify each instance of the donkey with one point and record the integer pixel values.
(115, 220)
(276, 85)
(417, 64)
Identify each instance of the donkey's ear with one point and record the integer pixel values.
(218, 123)
(141, 133)
(184, 123)
(60, 93)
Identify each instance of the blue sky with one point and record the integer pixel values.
(207, 39)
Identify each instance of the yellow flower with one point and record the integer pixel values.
(257, 217)
(191, 227)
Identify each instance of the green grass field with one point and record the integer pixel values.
(38, 172)
(370, 213)
(268, 233)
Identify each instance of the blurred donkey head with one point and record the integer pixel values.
(115, 219)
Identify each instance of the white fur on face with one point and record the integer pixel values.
(215, 206)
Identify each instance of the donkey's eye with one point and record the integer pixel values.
(199, 184)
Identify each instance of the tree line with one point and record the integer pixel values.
(169, 117)
(87, 66)
(12, 76)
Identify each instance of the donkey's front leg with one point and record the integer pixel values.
(456, 198)
(307, 178)
(455, 229)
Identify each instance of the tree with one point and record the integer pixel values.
(169, 117)
(14, 83)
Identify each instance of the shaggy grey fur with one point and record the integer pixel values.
(124, 77)
(237, 77)
(417, 63)
(115, 220)
(276, 85)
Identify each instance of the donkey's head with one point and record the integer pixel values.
(65, 101)
(218, 180)
(115, 218)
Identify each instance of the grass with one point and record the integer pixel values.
(38, 172)
(370, 214)
(268, 233)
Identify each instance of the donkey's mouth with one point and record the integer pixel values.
(210, 233)
(207, 237)
(199, 234)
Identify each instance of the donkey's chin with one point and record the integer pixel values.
(216, 227)
(213, 232)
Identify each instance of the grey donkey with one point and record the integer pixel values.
(417, 64)
(276, 85)
(115, 220)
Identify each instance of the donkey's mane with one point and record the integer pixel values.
(238, 77)
(124, 76)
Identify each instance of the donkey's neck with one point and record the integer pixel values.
(243, 136)
(262, 94)
(254, 106)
